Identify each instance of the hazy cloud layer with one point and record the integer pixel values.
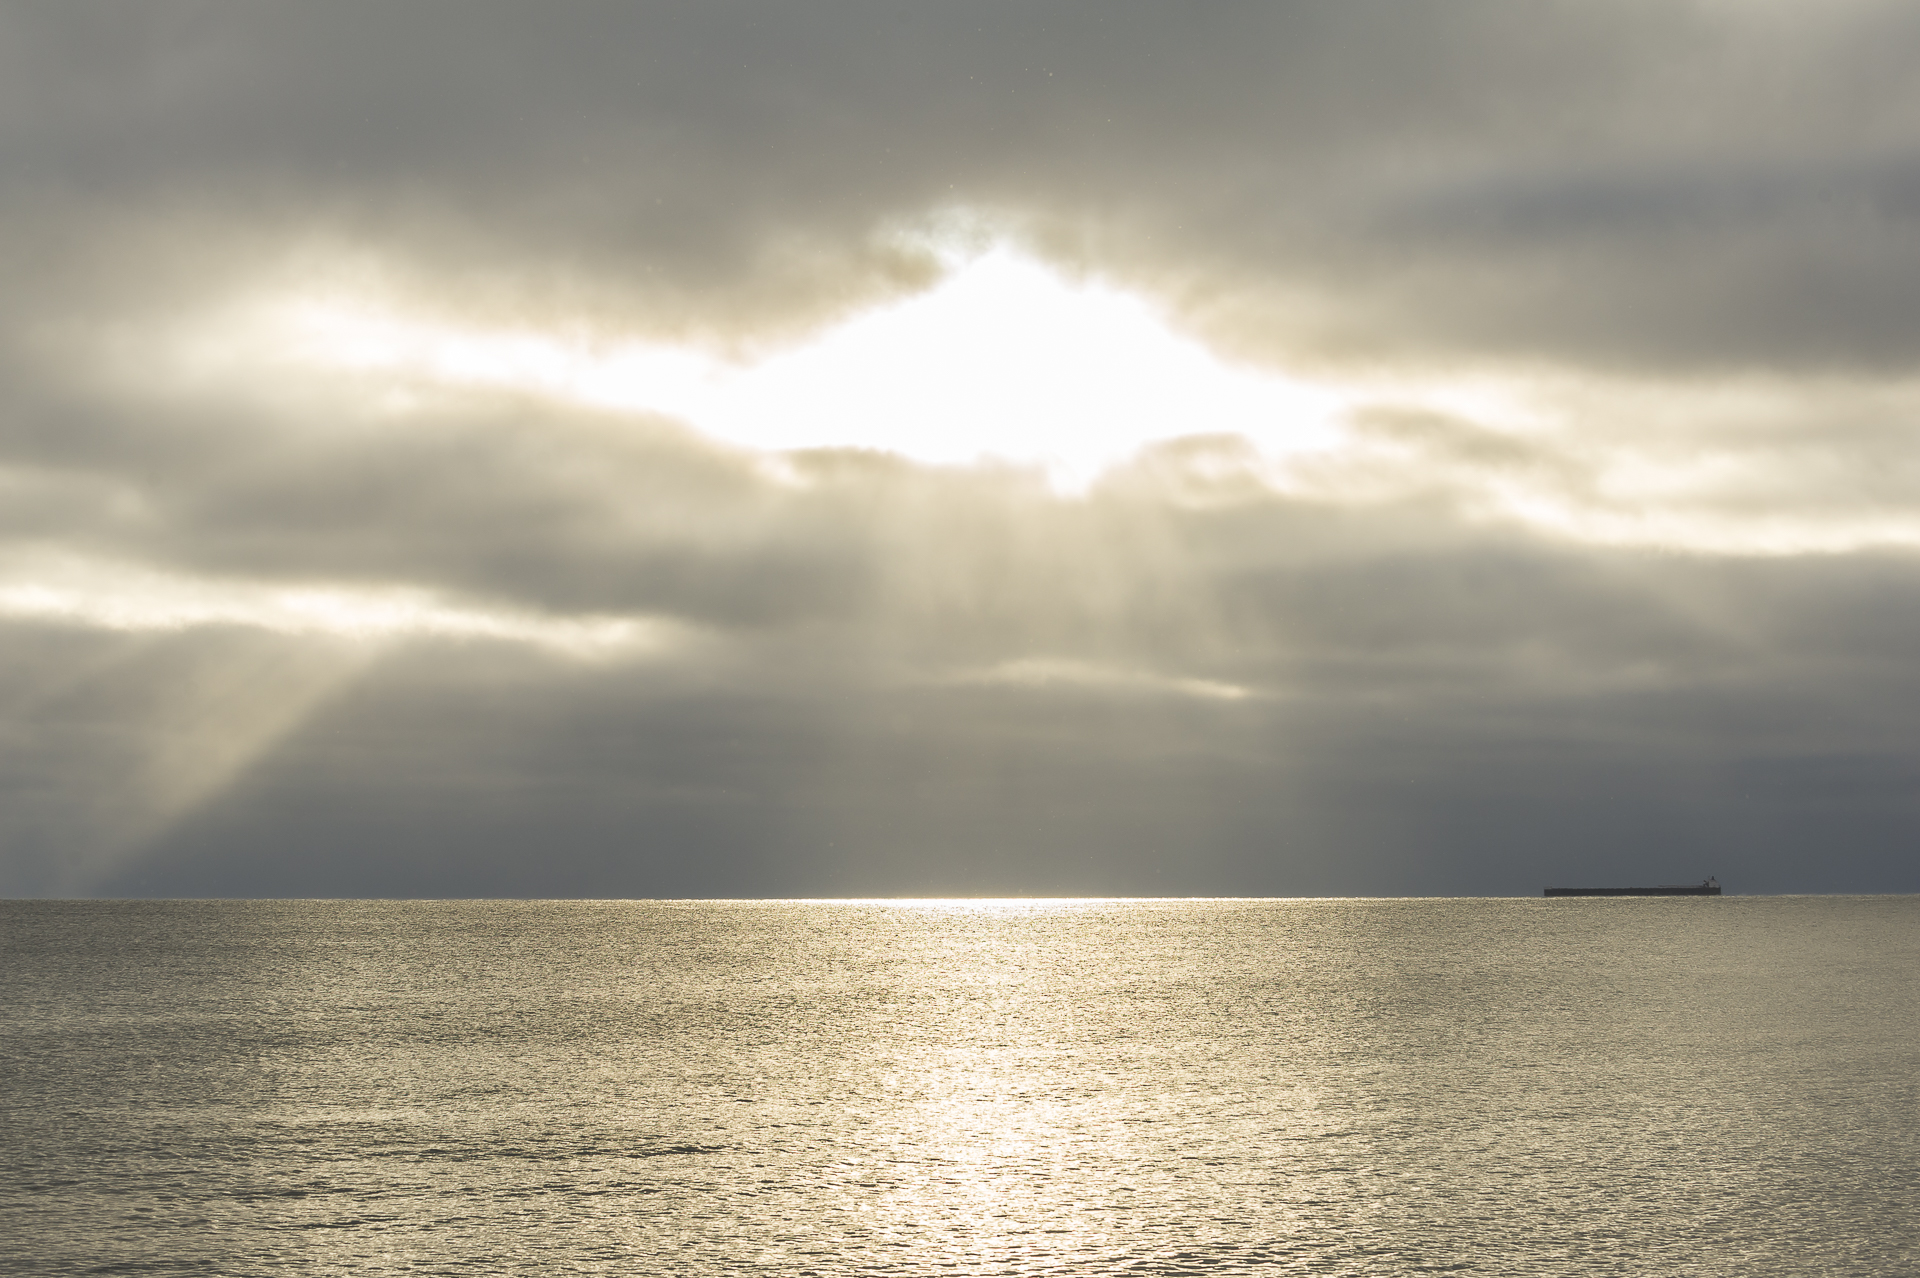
(1606, 568)
(1676, 185)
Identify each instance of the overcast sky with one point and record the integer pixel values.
(467, 449)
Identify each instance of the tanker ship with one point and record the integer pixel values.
(1706, 887)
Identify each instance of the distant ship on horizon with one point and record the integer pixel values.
(1709, 886)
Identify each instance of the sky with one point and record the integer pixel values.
(465, 449)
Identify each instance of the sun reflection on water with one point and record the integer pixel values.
(999, 1087)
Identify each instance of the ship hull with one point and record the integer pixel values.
(1701, 890)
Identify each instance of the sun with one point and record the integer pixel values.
(1004, 360)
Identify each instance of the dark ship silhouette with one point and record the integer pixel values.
(1706, 887)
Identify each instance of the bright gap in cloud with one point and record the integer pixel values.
(1044, 673)
(117, 597)
(1004, 360)
(1008, 360)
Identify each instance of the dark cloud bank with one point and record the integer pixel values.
(876, 677)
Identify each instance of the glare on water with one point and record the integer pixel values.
(1350, 1087)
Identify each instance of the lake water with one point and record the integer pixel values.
(1640, 1086)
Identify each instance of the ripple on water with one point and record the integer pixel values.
(1494, 1087)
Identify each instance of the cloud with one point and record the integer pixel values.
(1038, 672)
(747, 448)
(110, 740)
(1674, 186)
(112, 597)
(1001, 360)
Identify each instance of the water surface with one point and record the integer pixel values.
(1637, 1086)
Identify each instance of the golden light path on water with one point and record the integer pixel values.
(1705, 1086)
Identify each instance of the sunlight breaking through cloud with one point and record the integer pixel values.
(691, 450)
(1066, 675)
(118, 597)
(1008, 361)
(1004, 360)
